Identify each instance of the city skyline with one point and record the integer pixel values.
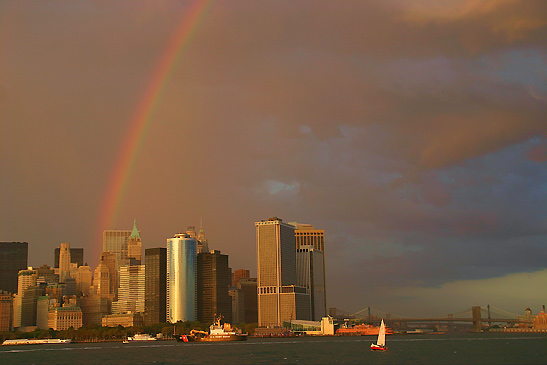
(413, 134)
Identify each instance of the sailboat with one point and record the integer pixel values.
(380, 345)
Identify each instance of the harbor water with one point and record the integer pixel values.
(483, 348)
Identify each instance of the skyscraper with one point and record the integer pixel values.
(117, 242)
(310, 238)
(134, 246)
(131, 290)
(76, 256)
(64, 262)
(279, 299)
(306, 234)
(238, 275)
(6, 309)
(13, 258)
(105, 281)
(156, 285)
(311, 275)
(181, 278)
(213, 281)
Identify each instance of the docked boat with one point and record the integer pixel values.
(380, 345)
(362, 330)
(219, 332)
(34, 341)
(142, 337)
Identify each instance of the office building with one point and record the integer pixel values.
(13, 258)
(84, 278)
(29, 304)
(245, 301)
(311, 275)
(46, 274)
(124, 320)
(131, 290)
(239, 274)
(117, 242)
(202, 244)
(42, 309)
(94, 308)
(279, 298)
(64, 262)
(306, 235)
(6, 310)
(134, 246)
(155, 285)
(76, 256)
(105, 281)
(181, 278)
(62, 318)
(214, 277)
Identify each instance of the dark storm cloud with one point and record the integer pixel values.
(413, 132)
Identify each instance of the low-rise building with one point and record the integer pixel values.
(62, 318)
(124, 320)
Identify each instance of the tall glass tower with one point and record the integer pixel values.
(181, 278)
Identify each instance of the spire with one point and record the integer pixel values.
(135, 233)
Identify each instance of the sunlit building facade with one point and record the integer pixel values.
(131, 290)
(181, 278)
(279, 298)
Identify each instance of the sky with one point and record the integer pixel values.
(413, 132)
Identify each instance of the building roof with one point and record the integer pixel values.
(135, 232)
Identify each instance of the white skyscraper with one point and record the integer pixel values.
(181, 278)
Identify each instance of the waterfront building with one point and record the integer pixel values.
(245, 301)
(6, 309)
(94, 308)
(239, 274)
(117, 241)
(311, 275)
(213, 282)
(181, 278)
(131, 290)
(155, 285)
(279, 298)
(124, 320)
(62, 318)
(76, 256)
(13, 258)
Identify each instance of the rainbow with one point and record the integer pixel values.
(140, 122)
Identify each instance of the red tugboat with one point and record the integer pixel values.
(217, 333)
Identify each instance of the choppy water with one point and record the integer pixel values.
(417, 349)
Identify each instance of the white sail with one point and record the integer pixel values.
(382, 335)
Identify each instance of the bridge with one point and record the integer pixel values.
(476, 315)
